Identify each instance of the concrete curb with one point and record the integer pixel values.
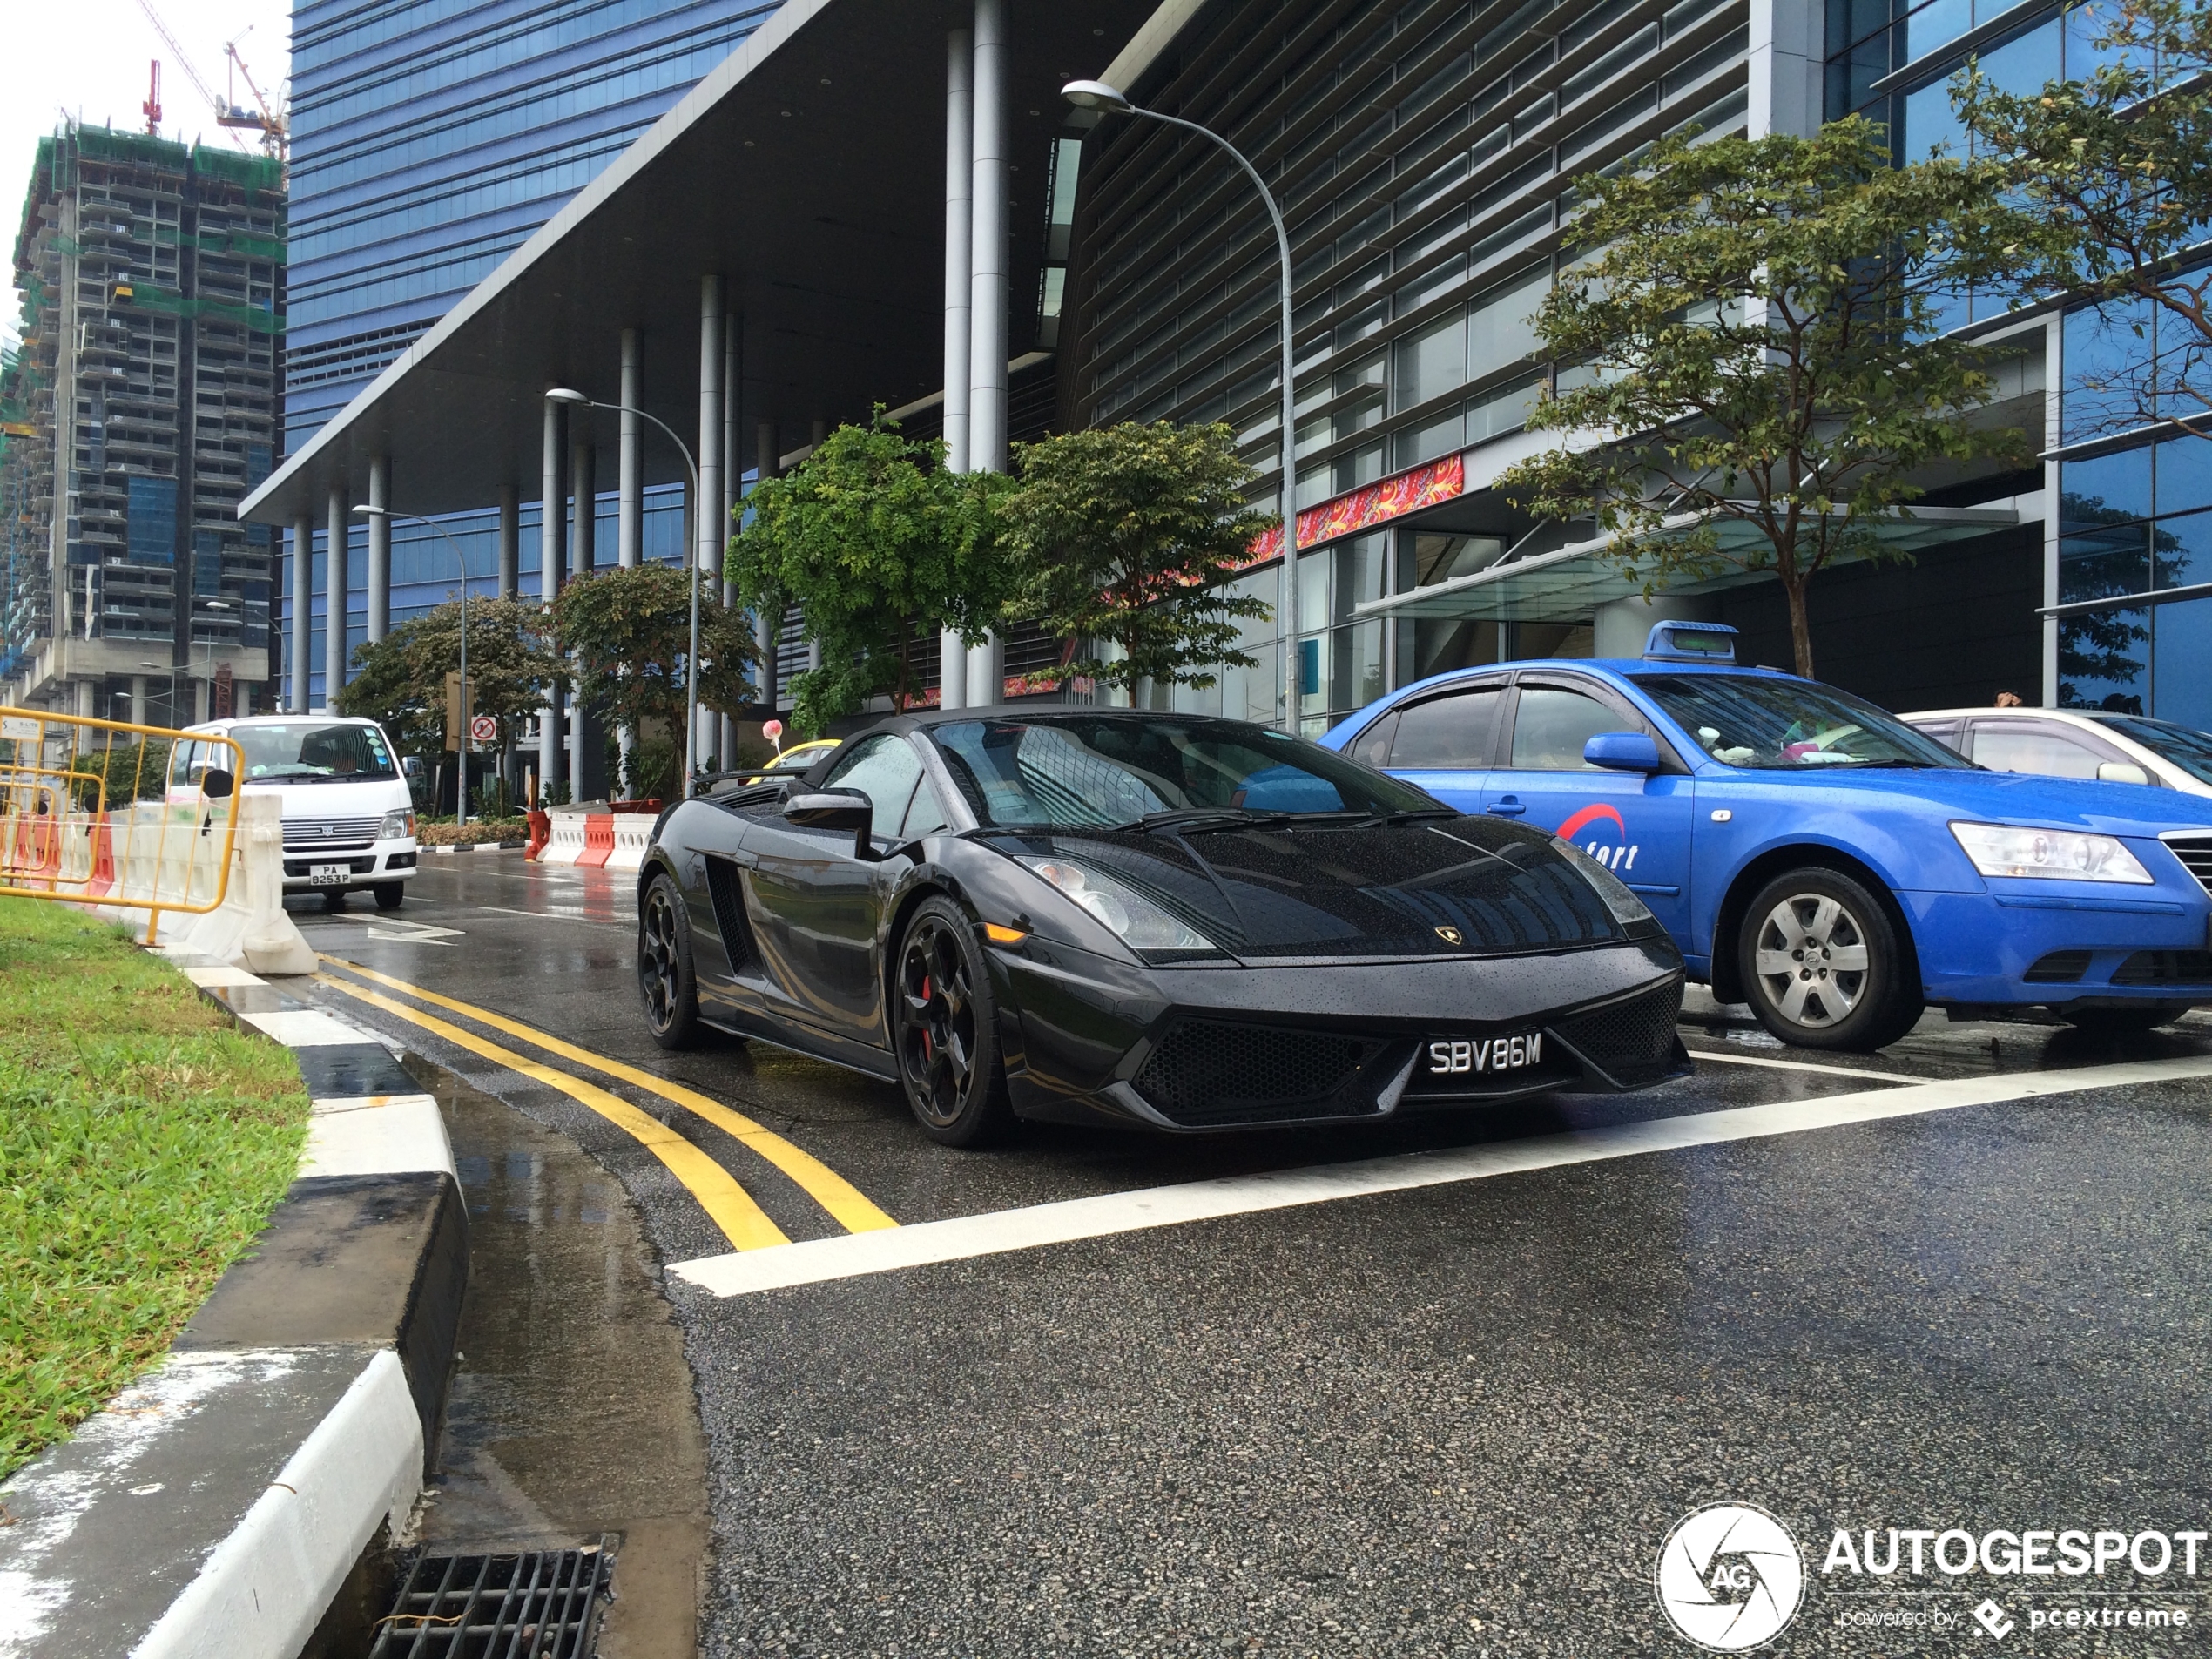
(221, 1505)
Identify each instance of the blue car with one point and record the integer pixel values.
(1814, 856)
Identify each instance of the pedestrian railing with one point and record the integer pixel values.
(111, 813)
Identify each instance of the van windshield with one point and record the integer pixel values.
(306, 752)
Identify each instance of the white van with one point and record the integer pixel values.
(348, 820)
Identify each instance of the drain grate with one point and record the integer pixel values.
(536, 1604)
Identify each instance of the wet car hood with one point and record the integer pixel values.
(1316, 890)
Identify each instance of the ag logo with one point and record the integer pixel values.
(1604, 836)
(1730, 1577)
(1450, 934)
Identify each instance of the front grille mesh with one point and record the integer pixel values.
(329, 834)
(2164, 968)
(2057, 967)
(2197, 857)
(1631, 1036)
(1218, 1071)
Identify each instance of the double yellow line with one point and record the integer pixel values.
(727, 1203)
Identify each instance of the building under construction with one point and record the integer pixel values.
(143, 404)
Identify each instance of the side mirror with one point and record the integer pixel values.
(216, 784)
(2121, 772)
(1622, 752)
(843, 809)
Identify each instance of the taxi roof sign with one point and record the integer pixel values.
(1690, 641)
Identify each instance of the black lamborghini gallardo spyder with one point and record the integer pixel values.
(1161, 920)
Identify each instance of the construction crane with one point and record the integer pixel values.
(152, 106)
(276, 132)
(223, 112)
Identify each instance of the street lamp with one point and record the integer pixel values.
(577, 400)
(209, 604)
(461, 817)
(1096, 95)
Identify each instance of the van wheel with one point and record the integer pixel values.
(1822, 966)
(389, 894)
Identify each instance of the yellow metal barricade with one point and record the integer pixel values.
(106, 813)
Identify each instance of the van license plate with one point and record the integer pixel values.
(1456, 1056)
(328, 876)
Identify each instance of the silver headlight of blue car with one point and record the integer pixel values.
(2065, 855)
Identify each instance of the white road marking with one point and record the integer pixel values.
(1798, 1065)
(857, 1254)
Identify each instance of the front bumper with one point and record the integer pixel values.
(1186, 1050)
(2055, 945)
(372, 866)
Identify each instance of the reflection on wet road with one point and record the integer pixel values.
(1957, 1284)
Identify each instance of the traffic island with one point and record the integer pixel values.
(229, 1500)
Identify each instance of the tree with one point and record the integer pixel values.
(2112, 175)
(881, 548)
(630, 633)
(1127, 536)
(384, 689)
(1753, 351)
(401, 683)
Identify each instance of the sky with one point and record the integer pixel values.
(89, 57)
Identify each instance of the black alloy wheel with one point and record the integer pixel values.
(946, 1030)
(1822, 966)
(2123, 1022)
(389, 894)
(665, 973)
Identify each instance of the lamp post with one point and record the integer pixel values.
(211, 604)
(460, 798)
(1096, 95)
(577, 400)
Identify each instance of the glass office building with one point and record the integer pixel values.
(430, 138)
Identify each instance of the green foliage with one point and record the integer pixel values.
(143, 1141)
(1753, 321)
(881, 548)
(1126, 534)
(401, 682)
(2111, 174)
(630, 633)
(137, 771)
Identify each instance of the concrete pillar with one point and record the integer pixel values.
(380, 547)
(583, 483)
(707, 550)
(552, 560)
(511, 540)
(733, 492)
(303, 621)
(1787, 50)
(629, 499)
(202, 701)
(986, 320)
(88, 700)
(138, 699)
(960, 186)
(337, 530)
(766, 628)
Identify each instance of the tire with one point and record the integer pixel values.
(665, 977)
(2123, 1022)
(389, 894)
(1822, 966)
(334, 899)
(945, 1029)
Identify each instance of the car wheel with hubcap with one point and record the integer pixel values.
(1822, 966)
(389, 894)
(665, 973)
(946, 1030)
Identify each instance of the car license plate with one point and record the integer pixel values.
(1469, 1056)
(328, 876)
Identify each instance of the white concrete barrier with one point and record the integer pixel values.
(633, 834)
(565, 844)
(250, 928)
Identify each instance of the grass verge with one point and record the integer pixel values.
(143, 1140)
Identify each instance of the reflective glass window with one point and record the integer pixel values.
(1553, 724)
(884, 769)
(1452, 731)
(2044, 750)
(2104, 660)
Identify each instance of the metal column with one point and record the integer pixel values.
(584, 484)
(552, 559)
(986, 301)
(380, 547)
(959, 185)
(303, 607)
(768, 627)
(138, 699)
(511, 540)
(336, 528)
(707, 550)
(629, 499)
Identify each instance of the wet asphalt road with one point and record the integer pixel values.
(1455, 1421)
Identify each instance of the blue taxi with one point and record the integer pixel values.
(1814, 856)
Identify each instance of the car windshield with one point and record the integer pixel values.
(1783, 724)
(2186, 748)
(305, 751)
(1100, 771)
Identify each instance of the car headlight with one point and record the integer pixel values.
(396, 825)
(2065, 855)
(1624, 905)
(1131, 917)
